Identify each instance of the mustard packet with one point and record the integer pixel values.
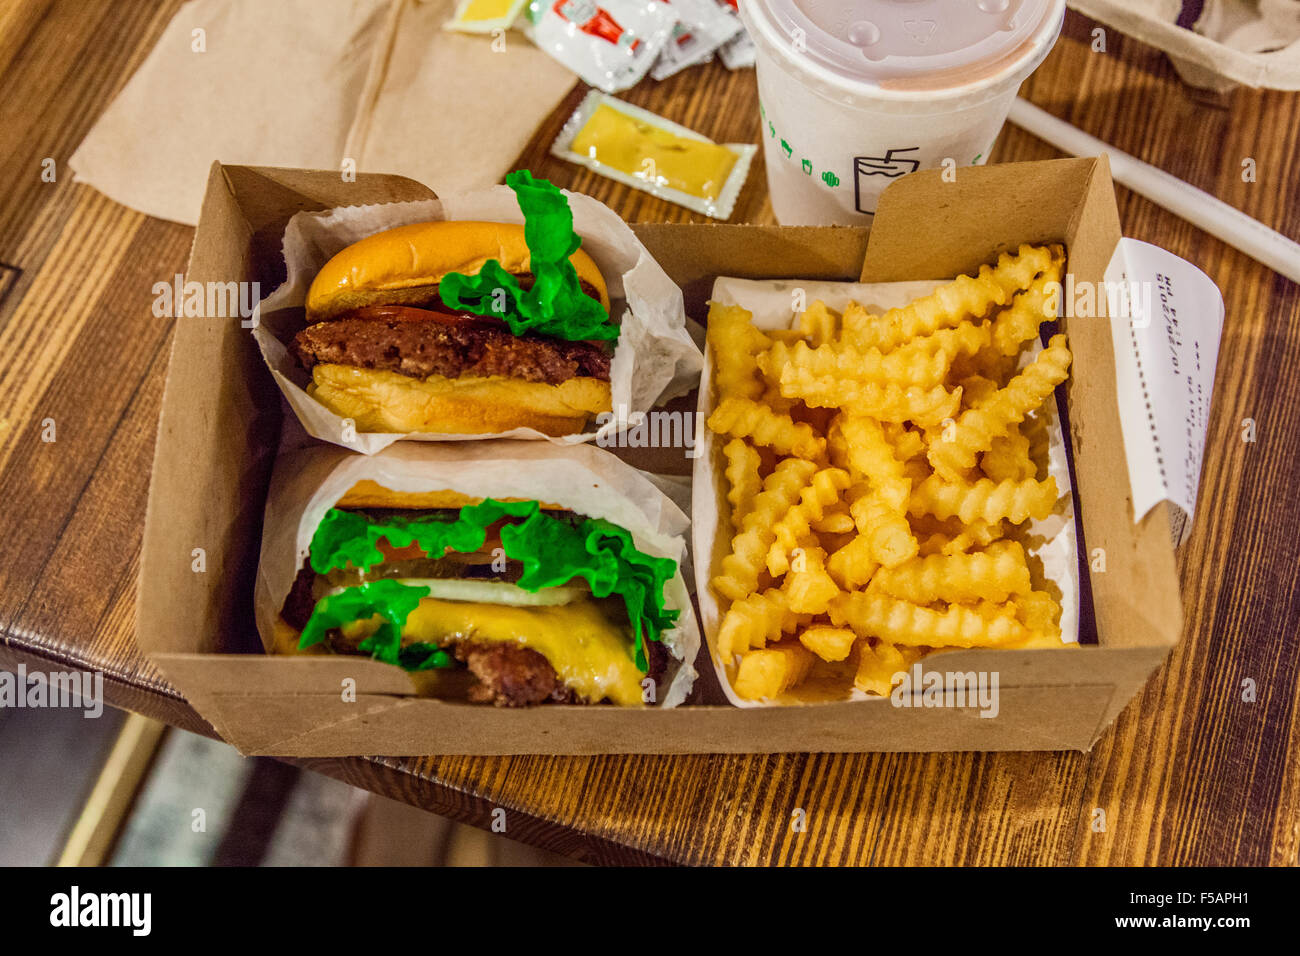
(484, 16)
(642, 149)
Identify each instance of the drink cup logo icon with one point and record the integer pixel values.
(892, 165)
(920, 30)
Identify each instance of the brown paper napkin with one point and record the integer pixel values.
(311, 83)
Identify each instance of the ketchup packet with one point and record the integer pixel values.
(737, 52)
(611, 44)
(702, 27)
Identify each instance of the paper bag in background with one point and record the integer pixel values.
(655, 358)
(310, 83)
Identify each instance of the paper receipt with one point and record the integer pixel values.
(1166, 323)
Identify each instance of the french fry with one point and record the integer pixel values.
(976, 390)
(820, 325)
(755, 621)
(921, 368)
(774, 400)
(1020, 321)
(855, 321)
(772, 671)
(977, 427)
(1008, 458)
(743, 418)
(743, 481)
(852, 565)
(1016, 272)
(879, 663)
(831, 644)
(809, 587)
(886, 402)
(823, 490)
(906, 444)
(984, 500)
(889, 537)
(976, 534)
(901, 622)
(992, 575)
(735, 341)
(872, 456)
(740, 569)
(834, 520)
(1039, 612)
(963, 299)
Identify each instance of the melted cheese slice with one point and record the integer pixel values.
(591, 655)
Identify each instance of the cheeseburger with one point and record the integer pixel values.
(464, 327)
(507, 602)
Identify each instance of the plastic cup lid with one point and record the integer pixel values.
(896, 40)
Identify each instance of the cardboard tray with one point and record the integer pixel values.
(219, 430)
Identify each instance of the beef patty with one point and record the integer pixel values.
(420, 342)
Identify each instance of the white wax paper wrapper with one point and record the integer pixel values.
(654, 358)
(592, 482)
(1053, 540)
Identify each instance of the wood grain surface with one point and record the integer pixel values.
(1191, 773)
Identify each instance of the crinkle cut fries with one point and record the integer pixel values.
(879, 470)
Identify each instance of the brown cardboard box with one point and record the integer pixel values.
(220, 422)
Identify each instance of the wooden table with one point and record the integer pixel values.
(1189, 774)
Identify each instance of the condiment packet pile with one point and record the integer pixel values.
(703, 26)
(613, 44)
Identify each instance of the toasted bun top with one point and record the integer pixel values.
(370, 494)
(402, 265)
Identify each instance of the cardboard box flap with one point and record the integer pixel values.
(1136, 596)
(1028, 718)
(918, 233)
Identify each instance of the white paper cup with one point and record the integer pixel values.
(855, 93)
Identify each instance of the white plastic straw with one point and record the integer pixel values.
(1199, 208)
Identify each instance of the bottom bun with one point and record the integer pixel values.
(382, 401)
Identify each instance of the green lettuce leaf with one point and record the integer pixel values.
(345, 538)
(555, 305)
(552, 551)
(390, 600)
